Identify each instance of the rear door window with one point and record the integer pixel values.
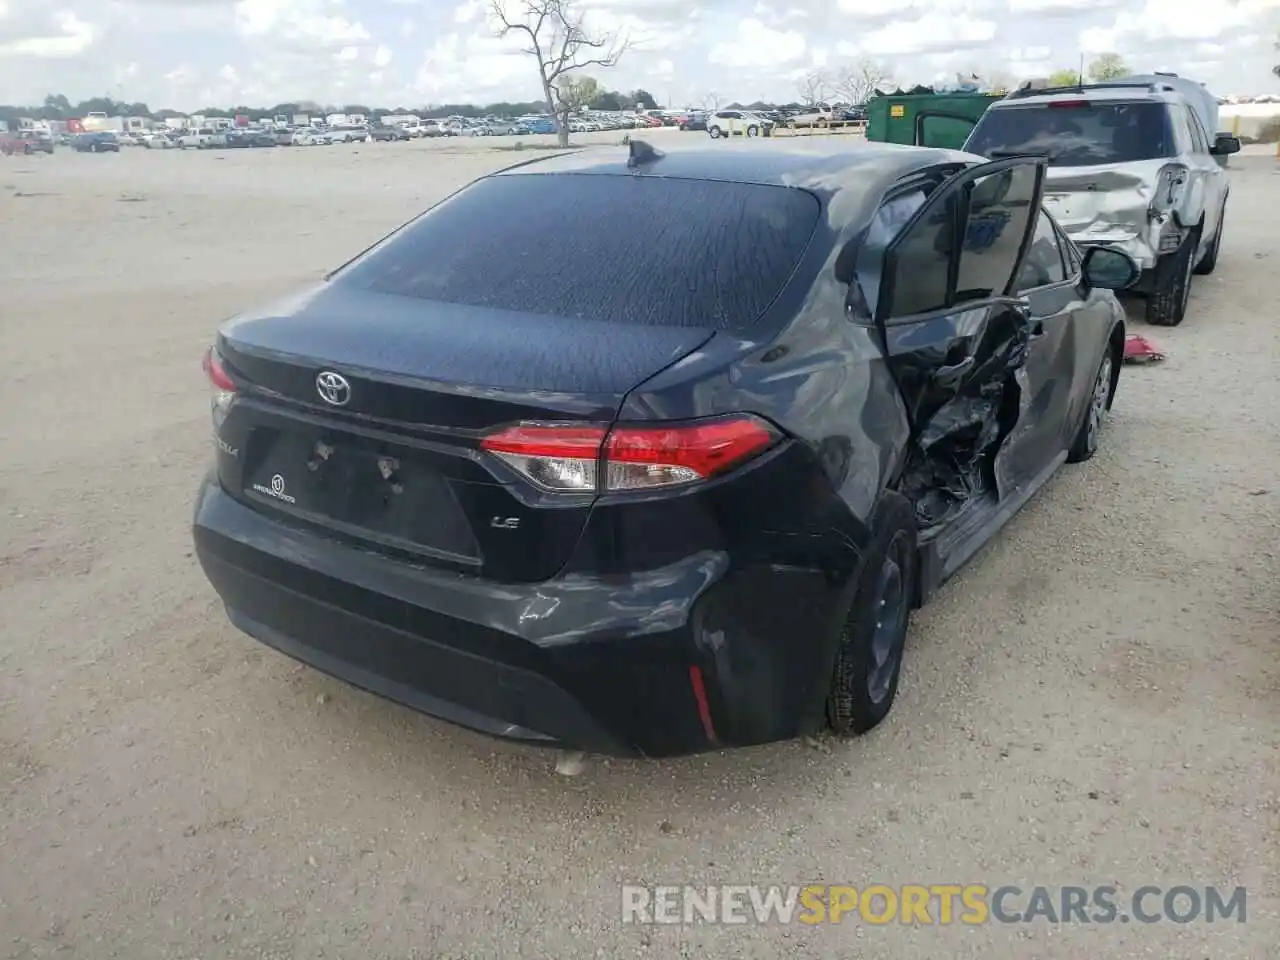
(929, 276)
(1076, 133)
(1199, 141)
(1181, 120)
(886, 224)
(1043, 265)
(637, 250)
(1000, 209)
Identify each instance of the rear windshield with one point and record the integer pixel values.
(1076, 133)
(640, 250)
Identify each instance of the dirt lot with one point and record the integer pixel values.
(1095, 700)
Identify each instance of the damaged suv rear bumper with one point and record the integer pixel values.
(1147, 248)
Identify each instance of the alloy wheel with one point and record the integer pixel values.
(1098, 403)
(890, 601)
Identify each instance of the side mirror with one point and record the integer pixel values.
(1224, 145)
(1110, 269)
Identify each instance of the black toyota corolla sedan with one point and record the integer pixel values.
(650, 454)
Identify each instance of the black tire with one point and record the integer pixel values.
(753, 131)
(868, 665)
(1167, 304)
(714, 133)
(1210, 262)
(1085, 444)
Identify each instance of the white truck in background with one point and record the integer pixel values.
(203, 138)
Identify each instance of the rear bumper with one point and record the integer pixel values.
(691, 657)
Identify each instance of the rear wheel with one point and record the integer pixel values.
(868, 662)
(1167, 304)
(714, 132)
(1210, 261)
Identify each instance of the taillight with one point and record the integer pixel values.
(224, 390)
(586, 458)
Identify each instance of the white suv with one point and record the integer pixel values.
(732, 123)
(1130, 165)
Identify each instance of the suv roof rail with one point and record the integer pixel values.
(1028, 89)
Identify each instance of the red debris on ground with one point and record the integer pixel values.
(1138, 349)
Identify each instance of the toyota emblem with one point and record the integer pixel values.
(333, 388)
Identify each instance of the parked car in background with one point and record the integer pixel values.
(474, 473)
(283, 136)
(819, 113)
(203, 138)
(433, 129)
(26, 142)
(735, 123)
(347, 134)
(309, 137)
(379, 132)
(694, 121)
(250, 138)
(1129, 165)
(98, 141)
(160, 140)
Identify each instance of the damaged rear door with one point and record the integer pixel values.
(956, 338)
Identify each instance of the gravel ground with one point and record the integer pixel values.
(1096, 699)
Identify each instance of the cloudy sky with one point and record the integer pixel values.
(190, 53)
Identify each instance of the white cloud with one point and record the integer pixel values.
(412, 52)
(1058, 7)
(460, 65)
(755, 45)
(467, 12)
(312, 22)
(71, 38)
(925, 35)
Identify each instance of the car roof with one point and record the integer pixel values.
(824, 168)
(1119, 93)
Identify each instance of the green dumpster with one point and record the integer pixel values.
(926, 119)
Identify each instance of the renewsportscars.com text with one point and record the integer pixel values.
(931, 904)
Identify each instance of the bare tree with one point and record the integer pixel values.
(855, 83)
(814, 87)
(711, 100)
(558, 38)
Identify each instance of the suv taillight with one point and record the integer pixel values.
(590, 458)
(224, 391)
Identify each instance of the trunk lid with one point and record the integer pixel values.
(394, 465)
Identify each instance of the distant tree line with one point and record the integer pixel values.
(1108, 66)
(56, 106)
